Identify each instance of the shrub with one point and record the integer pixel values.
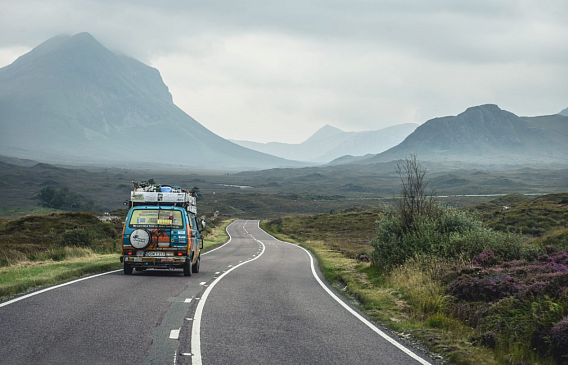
(485, 259)
(488, 339)
(78, 237)
(450, 234)
(559, 341)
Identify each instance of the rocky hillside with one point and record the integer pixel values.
(485, 135)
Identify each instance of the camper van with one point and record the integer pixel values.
(161, 230)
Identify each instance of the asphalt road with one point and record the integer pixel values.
(256, 300)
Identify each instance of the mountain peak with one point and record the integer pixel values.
(325, 132)
(72, 99)
(485, 107)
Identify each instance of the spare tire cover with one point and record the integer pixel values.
(140, 238)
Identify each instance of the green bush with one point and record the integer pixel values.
(450, 234)
(78, 237)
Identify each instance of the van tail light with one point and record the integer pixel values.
(130, 252)
(179, 253)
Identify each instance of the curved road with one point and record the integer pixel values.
(257, 300)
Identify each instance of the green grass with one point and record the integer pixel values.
(23, 211)
(42, 237)
(19, 279)
(217, 236)
(532, 217)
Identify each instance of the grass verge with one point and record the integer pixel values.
(217, 236)
(74, 263)
(389, 302)
(28, 275)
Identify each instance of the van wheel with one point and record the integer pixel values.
(195, 267)
(187, 267)
(127, 269)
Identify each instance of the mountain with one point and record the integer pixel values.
(370, 142)
(329, 143)
(564, 112)
(71, 100)
(484, 134)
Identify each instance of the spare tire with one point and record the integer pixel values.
(140, 239)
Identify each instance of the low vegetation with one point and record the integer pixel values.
(476, 287)
(41, 250)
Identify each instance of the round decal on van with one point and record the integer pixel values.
(140, 238)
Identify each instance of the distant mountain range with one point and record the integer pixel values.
(71, 100)
(484, 135)
(329, 143)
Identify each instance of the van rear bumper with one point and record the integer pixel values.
(158, 262)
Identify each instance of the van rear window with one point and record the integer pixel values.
(154, 218)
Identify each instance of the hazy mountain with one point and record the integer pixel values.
(564, 112)
(484, 134)
(72, 100)
(371, 142)
(329, 143)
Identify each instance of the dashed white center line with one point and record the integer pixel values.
(202, 283)
(217, 273)
(187, 300)
(174, 334)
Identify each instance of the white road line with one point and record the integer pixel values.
(55, 287)
(202, 283)
(174, 334)
(350, 310)
(196, 328)
(187, 300)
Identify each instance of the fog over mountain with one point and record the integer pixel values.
(484, 135)
(71, 100)
(329, 143)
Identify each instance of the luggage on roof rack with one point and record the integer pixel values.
(151, 194)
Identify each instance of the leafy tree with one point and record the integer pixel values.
(52, 197)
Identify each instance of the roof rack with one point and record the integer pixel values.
(158, 195)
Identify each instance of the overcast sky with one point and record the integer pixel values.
(266, 70)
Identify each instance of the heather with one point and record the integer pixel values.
(449, 265)
(512, 292)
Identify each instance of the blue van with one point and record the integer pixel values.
(161, 232)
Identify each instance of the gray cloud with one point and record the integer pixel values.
(357, 64)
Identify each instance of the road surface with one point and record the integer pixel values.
(256, 300)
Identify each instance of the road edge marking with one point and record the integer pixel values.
(54, 287)
(196, 323)
(351, 310)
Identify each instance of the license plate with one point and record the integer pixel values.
(155, 253)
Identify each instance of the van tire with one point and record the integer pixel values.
(195, 267)
(127, 269)
(187, 267)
